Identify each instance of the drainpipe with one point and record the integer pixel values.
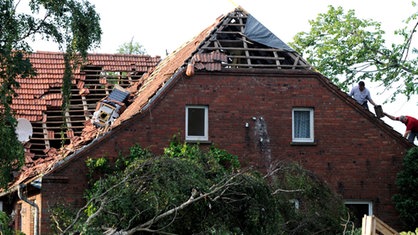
(33, 204)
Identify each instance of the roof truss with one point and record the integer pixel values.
(229, 38)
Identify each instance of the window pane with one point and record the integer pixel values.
(302, 124)
(196, 122)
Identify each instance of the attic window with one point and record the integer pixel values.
(303, 125)
(197, 123)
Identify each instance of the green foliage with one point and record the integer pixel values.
(352, 231)
(11, 152)
(5, 229)
(98, 166)
(406, 200)
(4, 224)
(188, 191)
(339, 44)
(320, 209)
(132, 48)
(12, 65)
(409, 232)
(152, 185)
(102, 166)
(159, 184)
(192, 152)
(347, 49)
(136, 153)
(63, 215)
(224, 158)
(250, 208)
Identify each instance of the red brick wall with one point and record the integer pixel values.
(64, 187)
(353, 154)
(25, 213)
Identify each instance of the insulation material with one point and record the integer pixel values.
(110, 108)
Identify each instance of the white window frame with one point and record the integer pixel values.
(311, 126)
(204, 137)
(361, 202)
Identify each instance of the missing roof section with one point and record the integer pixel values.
(249, 44)
(39, 98)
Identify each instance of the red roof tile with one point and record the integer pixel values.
(49, 67)
(148, 85)
(39, 98)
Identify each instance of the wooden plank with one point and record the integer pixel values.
(267, 65)
(248, 49)
(85, 106)
(364, 225)
(372, 224)
(277, 58)
(384, 228)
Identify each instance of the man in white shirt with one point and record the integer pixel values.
(361, 94)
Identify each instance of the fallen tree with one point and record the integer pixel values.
(188, 191)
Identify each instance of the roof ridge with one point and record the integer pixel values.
(222, 45)
(94, 54)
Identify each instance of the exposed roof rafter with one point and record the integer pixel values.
(231, 37)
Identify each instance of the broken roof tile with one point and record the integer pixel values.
(220, 46)
(39, 98)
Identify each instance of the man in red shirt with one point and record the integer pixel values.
(411, 126)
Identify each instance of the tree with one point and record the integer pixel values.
(347, 49)
(132, 48)
(72, 24)
(406, 200)
(307, 205)
(191, 191)
(5, 221)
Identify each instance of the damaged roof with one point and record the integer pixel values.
(235, 40)
(221, 46)
(39, 98)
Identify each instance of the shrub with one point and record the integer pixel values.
(406, 200)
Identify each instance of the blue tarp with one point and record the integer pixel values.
(257, 32)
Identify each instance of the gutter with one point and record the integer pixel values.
(31, 203)
(35, 181)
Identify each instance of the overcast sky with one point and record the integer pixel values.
(164, 25)
(161, 25)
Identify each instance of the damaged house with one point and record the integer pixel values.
(43, 127)
(235, 85)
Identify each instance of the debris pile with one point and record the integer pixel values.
(109, 108)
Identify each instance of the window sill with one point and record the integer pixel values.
(303, 143)
(198, 141)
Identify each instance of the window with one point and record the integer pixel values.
(358, 209)
(197, 123)
(302, 127)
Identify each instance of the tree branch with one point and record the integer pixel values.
(78, 215)
(194, 197)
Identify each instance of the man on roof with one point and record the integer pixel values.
(411, 126)
(361, 94)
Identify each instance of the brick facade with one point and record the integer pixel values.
(354, 152)
(250, 90)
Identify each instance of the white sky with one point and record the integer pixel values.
(164, 25)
